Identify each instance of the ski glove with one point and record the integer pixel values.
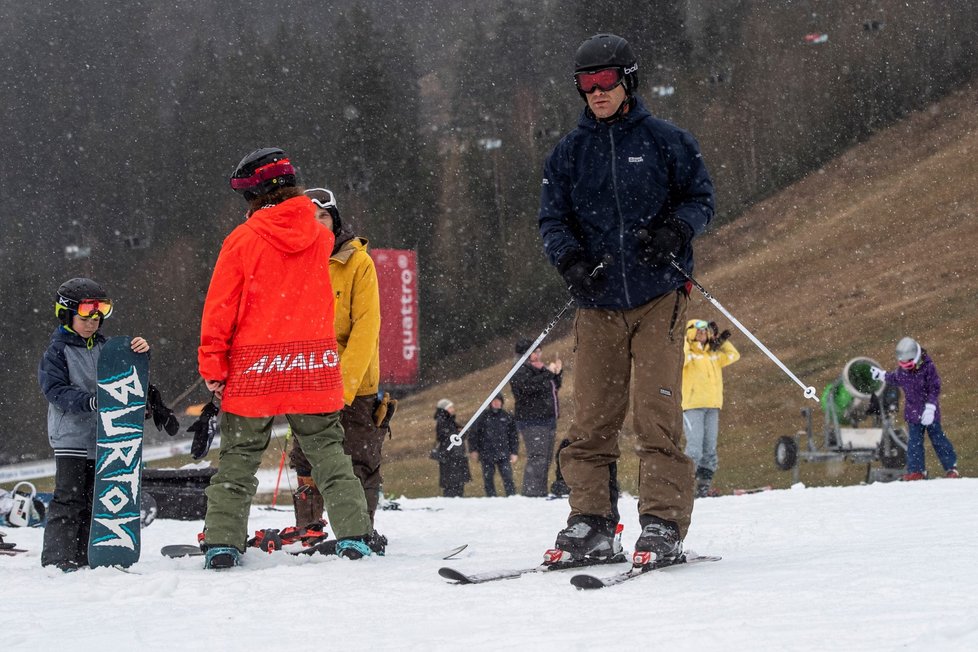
(583, 280)
(384, 409)
(204, 429)
(163, 417)
(718, 337)
(878, 374)
(927, 417)
(663, 242)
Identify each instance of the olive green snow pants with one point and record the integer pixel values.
(244, 439)
(640, 349)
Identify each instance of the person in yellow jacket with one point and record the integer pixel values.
(707, 353)
(357, 325)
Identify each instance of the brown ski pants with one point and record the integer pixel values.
(616, 351)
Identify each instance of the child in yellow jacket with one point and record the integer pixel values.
(707, 353)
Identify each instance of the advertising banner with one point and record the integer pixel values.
(397, 277)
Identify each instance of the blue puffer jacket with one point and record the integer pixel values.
(604, 182)
(68, 375)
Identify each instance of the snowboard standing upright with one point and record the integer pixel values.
(123, 377)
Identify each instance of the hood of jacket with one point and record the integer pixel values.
(290, 226)
(347, 248)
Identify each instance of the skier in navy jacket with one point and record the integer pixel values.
(623, 194)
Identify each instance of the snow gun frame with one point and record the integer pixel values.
(847, 402)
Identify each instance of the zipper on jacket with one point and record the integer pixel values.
(621, 218)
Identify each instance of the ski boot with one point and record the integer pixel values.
(586, 537)
(353, 548)
(219, 557)
(659, 542)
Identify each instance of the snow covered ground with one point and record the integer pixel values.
(879, 567)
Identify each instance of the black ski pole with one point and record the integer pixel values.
(809, 391)
(457, 438)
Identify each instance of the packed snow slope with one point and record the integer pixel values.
(878, 567)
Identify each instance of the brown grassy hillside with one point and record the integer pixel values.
(878, 244)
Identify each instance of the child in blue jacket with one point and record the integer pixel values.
(67, 374)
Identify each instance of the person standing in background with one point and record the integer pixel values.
(535, 387)
(707, 353)
(495, 443)
(453, 465)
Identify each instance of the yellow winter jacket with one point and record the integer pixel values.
(702, 371)
(357, 318)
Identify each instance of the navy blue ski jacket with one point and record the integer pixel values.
(606, 181)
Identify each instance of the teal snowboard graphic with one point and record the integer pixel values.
(123, 378)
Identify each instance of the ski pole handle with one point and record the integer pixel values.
(809, 391)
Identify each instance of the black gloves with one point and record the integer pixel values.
(716, 337)
(204, 429)
(163, 417)
(664, 241)
(717, 342)
(577, 274)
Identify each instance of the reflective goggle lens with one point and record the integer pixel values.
(605, 79)
(88, 308)
(700, 325)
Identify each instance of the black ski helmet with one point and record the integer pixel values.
(608, 51)
(71, 293)
(263, 171)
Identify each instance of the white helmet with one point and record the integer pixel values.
(907, 350)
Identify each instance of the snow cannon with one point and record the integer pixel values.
(850, 396)
(859, 426)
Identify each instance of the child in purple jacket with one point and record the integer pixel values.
(921, 385)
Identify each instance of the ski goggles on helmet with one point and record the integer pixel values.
(272, 170)
(322, 197)
(701, 325)
(605, 79)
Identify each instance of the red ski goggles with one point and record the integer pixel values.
(605, 79)
(907, 364)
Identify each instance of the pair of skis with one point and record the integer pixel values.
(581, 581)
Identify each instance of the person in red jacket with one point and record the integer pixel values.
(267, 348)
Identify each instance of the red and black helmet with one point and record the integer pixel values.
(263, 171)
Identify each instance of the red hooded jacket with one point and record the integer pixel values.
(267, 328)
